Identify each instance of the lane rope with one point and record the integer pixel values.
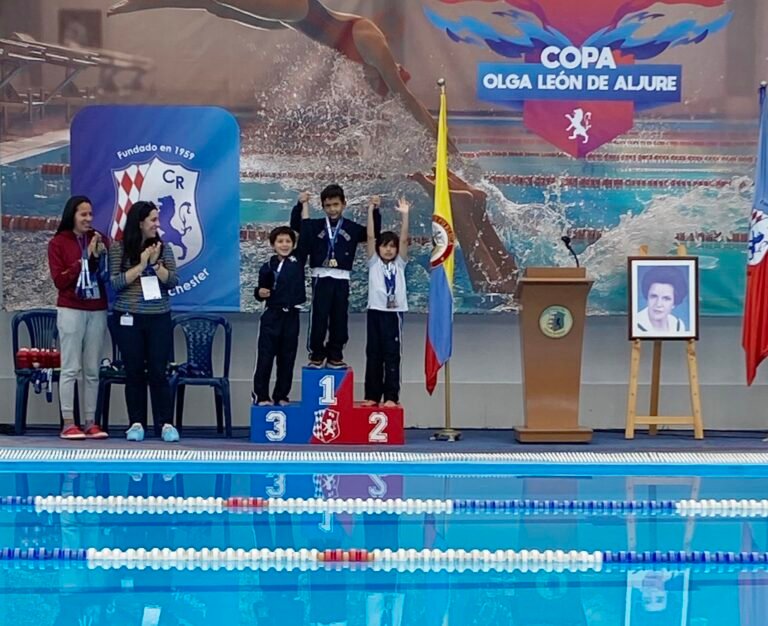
(408, 506)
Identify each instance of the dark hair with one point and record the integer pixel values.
(68, 214)
(132, 245)
(385, 238)
(672, 276)
(281, 230)
(332, 191)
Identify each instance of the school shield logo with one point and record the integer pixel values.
(173, 189)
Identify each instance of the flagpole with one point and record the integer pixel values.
(447, 433)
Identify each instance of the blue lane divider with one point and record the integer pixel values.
(17, 501)
(567, 506)
(43, 554)
(673, 556)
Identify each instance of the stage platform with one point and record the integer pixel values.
(417, 440)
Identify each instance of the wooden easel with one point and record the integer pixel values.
(654, 420)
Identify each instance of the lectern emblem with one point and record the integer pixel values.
(555, 321)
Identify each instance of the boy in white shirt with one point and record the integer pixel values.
(387, 301)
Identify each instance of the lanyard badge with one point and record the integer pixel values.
(87, 287)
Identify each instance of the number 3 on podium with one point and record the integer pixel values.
(279, 430)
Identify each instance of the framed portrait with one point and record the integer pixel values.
(663, 297)
(657, 598)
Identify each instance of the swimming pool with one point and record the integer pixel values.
(273, 510)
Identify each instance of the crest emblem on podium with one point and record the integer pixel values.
(327, 427)
(556, 321)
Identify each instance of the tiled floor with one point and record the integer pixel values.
(25, 147)
(418, 441)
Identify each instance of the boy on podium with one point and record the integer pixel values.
(330, 243)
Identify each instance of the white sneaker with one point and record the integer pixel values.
(169, 434)
(135, 433)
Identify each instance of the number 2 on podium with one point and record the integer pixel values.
(378, 433)
(328, 385)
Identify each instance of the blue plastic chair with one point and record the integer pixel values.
(199, 335)
(40, 325)
(114, 374)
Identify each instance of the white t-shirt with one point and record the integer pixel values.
(377, 286)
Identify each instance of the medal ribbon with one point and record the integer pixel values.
(332, 234)
(390, 278)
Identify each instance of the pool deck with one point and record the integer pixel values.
(26, 147)
(417, 440)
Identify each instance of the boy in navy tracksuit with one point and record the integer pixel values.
(281, 288)
(330, 244)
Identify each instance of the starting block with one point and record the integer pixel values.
(327, 414)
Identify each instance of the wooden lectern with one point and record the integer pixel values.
(554, 307)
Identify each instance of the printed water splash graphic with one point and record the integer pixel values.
(628, 38)
(534, 24)
(522, 32)
(518, 33)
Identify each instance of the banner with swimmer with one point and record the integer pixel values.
(617, 123)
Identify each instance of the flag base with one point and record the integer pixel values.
(446, 434)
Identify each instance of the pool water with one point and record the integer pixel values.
(51, 593)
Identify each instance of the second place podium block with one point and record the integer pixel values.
(327, 414)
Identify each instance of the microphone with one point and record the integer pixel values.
(567, 241)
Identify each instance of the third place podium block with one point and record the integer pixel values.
(327, 414)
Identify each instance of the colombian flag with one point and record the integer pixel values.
(755, 328)
(440, 309)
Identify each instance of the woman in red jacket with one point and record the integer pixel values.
(74, 256)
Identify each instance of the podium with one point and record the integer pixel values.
(327, 414)
(554, 305)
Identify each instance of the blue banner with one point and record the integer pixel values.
(185, 159)
(511, 82)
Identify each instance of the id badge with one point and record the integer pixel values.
(126, 319)
(150, 288)
(87, 283)
(391, 301)
(94, 292)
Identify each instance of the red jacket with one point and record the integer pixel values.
(64, 254)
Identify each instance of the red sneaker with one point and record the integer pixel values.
(72, 432)
(94, 432)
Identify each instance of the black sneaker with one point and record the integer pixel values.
(315, 365)
(337, 365)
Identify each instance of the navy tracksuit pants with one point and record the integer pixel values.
(278, 341)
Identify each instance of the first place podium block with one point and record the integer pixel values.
(327, 414)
